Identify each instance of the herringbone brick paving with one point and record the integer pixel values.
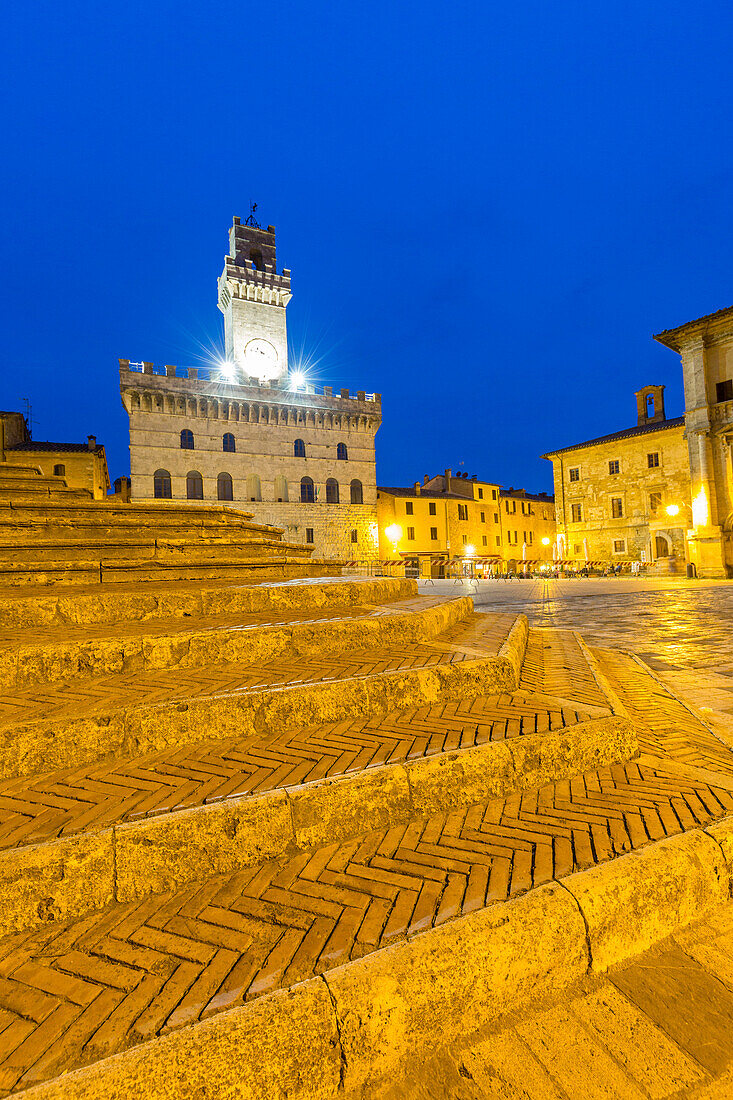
(554, 663)
(37, 808)
(73, 995)
(134, 971)
(479, 635)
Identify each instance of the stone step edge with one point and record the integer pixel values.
(62, 879)
(98, 608)
(339, 1034)
(191, 647)
(109, 574)
(50, 745)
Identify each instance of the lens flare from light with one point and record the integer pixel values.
(672, 509)
(545, 541)
(393, 533)
(469, 550)
(297, 379)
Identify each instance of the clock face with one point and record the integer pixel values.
(260, 359)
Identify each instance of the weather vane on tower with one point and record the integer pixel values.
(251, 220)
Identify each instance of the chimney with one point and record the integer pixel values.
(425, 479)
(416, 487)
(447, 475)
(91, 442)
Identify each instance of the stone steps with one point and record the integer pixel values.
(64, 654)
(378, 805)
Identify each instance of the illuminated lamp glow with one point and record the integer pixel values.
(297, 379)
(700, 511)
(469, 550)
(545, 541)
(393, 533)
(672, 509)
(227, 368)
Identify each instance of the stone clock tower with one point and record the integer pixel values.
(251, 434)
(253, 298)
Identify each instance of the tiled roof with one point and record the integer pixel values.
(38, 445)
(522, 494)
(639, 429)
(433, 495)
(660, 336)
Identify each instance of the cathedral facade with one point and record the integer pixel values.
(252, 432)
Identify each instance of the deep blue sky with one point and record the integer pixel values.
(488, 209)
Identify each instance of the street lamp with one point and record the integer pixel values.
(545, 541)
(394, 534)
(469, 550)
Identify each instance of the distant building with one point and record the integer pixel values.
(448, 517)
(612, 493)
(250, 432)
(705, 347)
(80, 466)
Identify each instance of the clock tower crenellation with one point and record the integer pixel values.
(253, 298)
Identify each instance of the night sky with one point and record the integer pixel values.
(487, 209)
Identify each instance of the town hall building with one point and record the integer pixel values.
(252, 432)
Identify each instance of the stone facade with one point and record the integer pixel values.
(445, 515)
(706, 350)
(251, 433)
(75, 465)
(612, 493)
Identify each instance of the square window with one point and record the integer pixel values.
(309, 534)
(434, 534)
(617, 507)
(465, 539)
(576, 513)
(408, 508)
(652, 460)
(483, 517)
(463, 511)
(493, 494)
(576, 548)
(613, 466)
(724, 390)
(484, 540)
(354, 536)
(481, 494)
(655, 502)
(498, 540)
(496, 517)
(575, 473)
(410, 534)
(619, 545)
(432, 508)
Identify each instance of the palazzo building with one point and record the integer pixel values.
(612, 492)
(705, 347)
(252, 432)
(451, 516)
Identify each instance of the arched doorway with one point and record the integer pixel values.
(662, 548)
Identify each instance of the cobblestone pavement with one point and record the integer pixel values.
(71, 995)
(658, 1027)
(674, 625)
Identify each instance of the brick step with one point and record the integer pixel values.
(63, 654)
(135, 836)
(149, 710)
(130, 603)
(206, 953)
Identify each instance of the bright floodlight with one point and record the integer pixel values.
(393, 533)
(673, 509)
(545, 541)
(227, 367)
(297, 378)
(469, 550)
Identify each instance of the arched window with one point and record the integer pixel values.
(307, 492)
(59, 469)
(162, 485)
(281, 488)
(299, 448)
(256, 259)
(228, 443)
(254, 488)
(224, 487)
(332, 491)
(186, 440)
(341, 452)
(357, 493)
(194, 485)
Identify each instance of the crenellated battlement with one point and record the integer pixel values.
(196, 391)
